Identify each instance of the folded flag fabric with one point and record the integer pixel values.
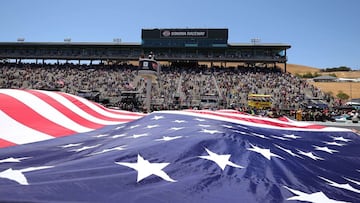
(35, 115)
(105, 155)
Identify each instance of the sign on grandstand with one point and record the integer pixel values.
(183, 33)
(213, 33)
(184, 37)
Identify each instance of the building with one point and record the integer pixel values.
(169, 45)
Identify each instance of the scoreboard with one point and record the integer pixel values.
(184, 37)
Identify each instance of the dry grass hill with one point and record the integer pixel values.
(350, 88)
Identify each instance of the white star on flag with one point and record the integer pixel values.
(221, 160)
(119, 135)
(265, 152)
(259, 135)
(288, 151)
(139, 135)
(179, 121)
(18, 176)
(240, 132)
(244, 127)
(109, 150)
(204, 126)
(144, 169)
(341, 139)
(335, 144)
(199, 119)
(325, 149)
(175, 128)
(280, 138)
(151, 126)
(157, 117)
(343, 186)
(210, 131)
(84, 148)
(101, 135)
(317, 197)
(292, 136)
(13, 160)
(310, 155)
(227, 126)
(167, 138)
(71, 145)
(133, 126)
(353, 181)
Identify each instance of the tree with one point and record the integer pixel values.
(343, 96)
(310, 75)
(334, 69)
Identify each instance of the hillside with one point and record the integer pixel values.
(300, 69)
(350, 88)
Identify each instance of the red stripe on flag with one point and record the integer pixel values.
(4, 143)
(120, 112)
(67, 112)
(259, 121)
(90, 111)
(28, 117)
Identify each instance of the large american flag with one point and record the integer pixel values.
(104, 155)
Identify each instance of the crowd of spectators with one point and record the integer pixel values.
(175, 88)
(287, 90)
(108, 80)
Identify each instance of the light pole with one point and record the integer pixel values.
(255, 40)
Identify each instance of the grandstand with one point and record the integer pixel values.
(210, 47)
(197, 71)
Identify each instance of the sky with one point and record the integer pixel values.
(322, 33)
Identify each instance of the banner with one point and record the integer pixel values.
(188, 33)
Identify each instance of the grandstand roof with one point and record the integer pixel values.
(129, 43)
(261, 45)
(68, 43)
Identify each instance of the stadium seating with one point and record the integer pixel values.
(177, 87)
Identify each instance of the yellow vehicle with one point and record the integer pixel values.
(259, 101)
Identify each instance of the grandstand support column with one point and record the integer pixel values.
(285, 62)
(149, 69)
(148, 93)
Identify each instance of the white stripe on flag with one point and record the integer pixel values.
(15, 132)
(72, 107)
(103, 112)
(45, 110)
